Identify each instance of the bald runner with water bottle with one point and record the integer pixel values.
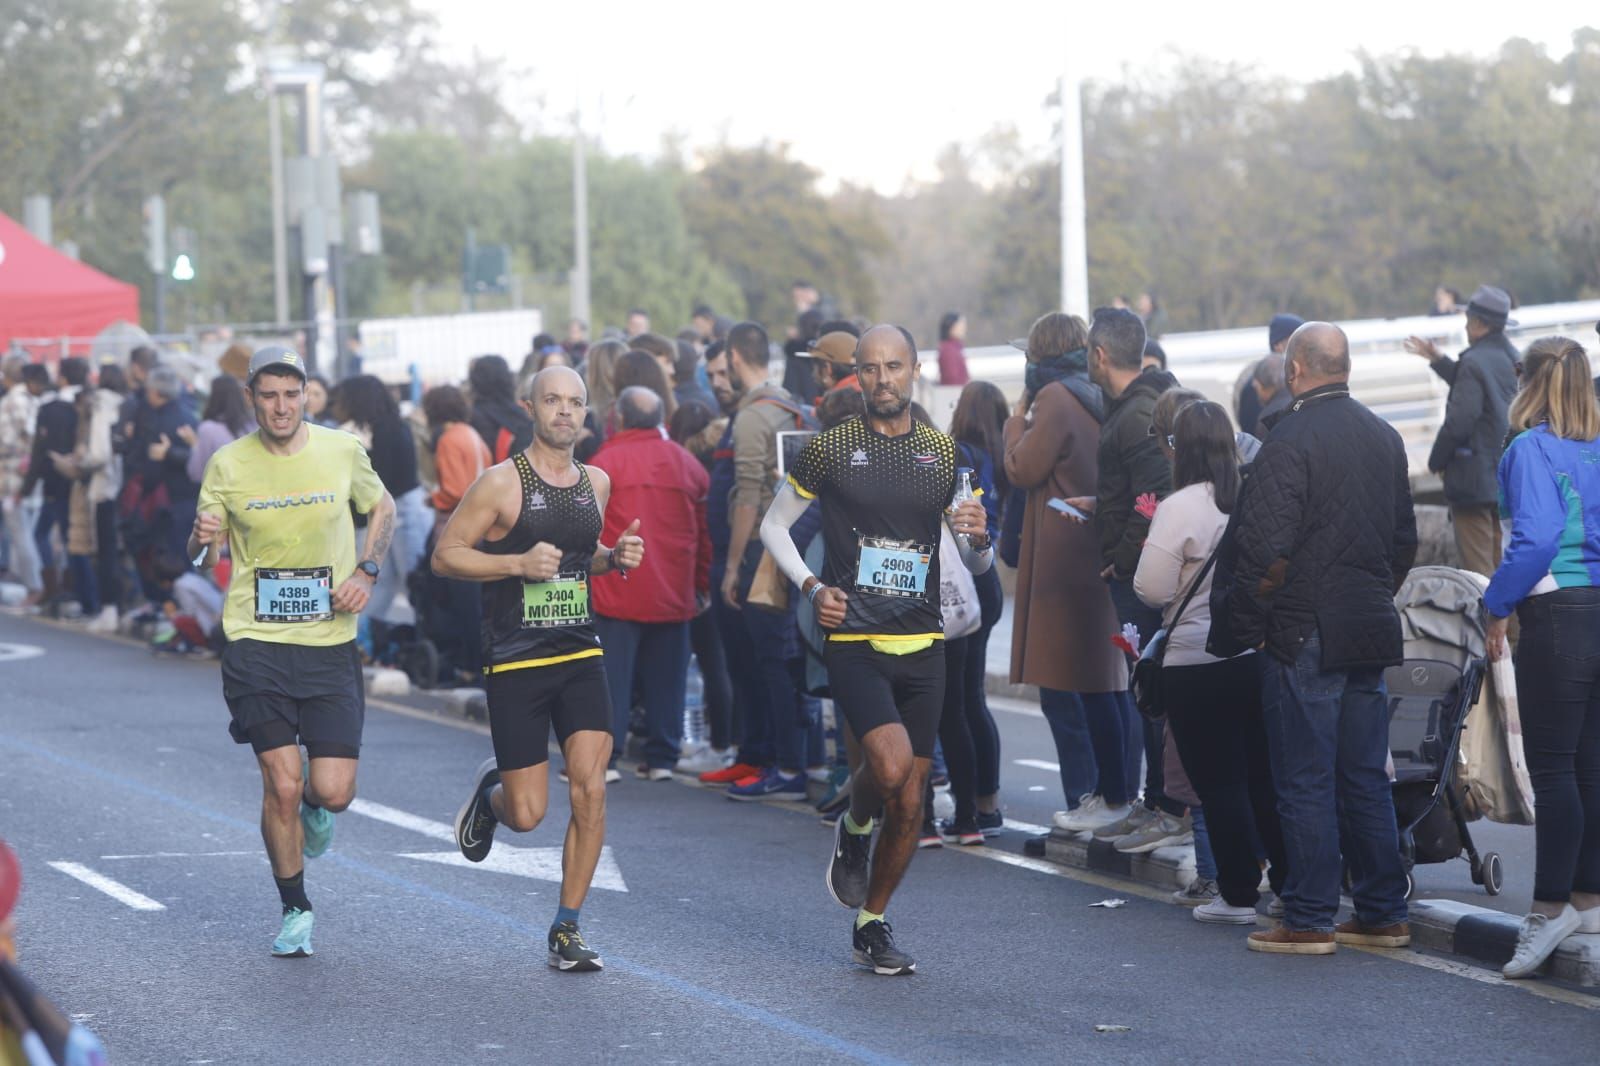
(886, 483)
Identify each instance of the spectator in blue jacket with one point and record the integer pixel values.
(1550, 492)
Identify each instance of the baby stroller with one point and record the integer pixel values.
(1430, 695)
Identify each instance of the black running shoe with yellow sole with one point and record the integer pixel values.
(874, 947)
(475, 821)
(569, 953)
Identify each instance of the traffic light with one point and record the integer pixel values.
(183, 253)
(155, 234)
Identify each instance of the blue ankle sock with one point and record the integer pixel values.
(565, 914)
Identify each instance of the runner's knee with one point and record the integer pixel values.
(522, 817)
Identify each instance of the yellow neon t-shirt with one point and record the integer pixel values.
(289, 516)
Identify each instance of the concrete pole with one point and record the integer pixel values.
(1074, 209)
(280, 238)
(580, 224)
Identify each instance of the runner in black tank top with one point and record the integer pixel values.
(526, 624)
(529, 528)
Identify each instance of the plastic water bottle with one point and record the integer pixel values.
(963, 492)
(695, 733)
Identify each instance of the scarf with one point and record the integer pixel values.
(1072, 370)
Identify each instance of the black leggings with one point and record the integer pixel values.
(1558, 689)
(1214, 710)
(108, 554)
(967, 733)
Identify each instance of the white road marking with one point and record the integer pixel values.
(404, 820)
(181, 854)
(15, 652)
(543, 864)
(115, 889)
(1025, 708)
(1038, 764)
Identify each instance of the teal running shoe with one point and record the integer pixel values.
(294, 939)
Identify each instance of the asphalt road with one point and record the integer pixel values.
(723, 947)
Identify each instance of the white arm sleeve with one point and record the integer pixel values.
(975, 561)
(786, 509)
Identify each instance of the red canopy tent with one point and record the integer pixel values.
(46, 294)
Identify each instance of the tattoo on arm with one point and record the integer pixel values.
(378, 542)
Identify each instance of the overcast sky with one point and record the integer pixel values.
(870, 90)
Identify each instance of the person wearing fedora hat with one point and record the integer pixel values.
(1466, 452)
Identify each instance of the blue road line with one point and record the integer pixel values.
(747, 1011)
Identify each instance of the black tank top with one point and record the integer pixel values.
(528, 621)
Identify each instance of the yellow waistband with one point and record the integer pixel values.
(529, 664)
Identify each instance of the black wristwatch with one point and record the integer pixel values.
(368, 567)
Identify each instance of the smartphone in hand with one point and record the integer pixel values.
(1058, 504)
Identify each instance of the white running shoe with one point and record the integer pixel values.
(104, 622)
(1538, 939)
(1091, 814)
(1589, 920)
(706, 760)
(1220, 912)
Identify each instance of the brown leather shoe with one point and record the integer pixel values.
(1286, 941)
(1397, 935)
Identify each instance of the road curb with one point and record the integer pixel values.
(1490, 936)
(1168, 868)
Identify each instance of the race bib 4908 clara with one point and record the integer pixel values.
(892, 567)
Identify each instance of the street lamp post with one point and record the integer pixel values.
(1074, 210)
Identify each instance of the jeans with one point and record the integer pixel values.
(1328, 738)
(1205, 860)
(412, 523)
(1092, 732)
(705, 639)
(657, 655)
(776, 640)
(1558, 686)
(1214, 710)
(84, 586)
(752, 732)
(52, 517)
(108, 554)
(1131, 609)
(23, 563)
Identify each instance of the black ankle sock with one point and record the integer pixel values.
(292, 891)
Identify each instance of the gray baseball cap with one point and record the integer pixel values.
(277, 357)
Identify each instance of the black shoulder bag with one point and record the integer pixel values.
(1146, 679)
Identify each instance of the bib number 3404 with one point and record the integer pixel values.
(561, 601)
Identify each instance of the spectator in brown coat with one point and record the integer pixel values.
(1064, 621)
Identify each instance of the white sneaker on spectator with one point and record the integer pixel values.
(1138, 817)
(1220, 912)
(706, 760)
(1589, 920)
(104, 622)
(1275, 908)
(1090, 814)
(1164, 831)
(1200, 890)
(1538, 939)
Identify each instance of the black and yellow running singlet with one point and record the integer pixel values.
(883, 503)
(538, 623)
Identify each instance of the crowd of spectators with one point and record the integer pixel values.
(1265, 543)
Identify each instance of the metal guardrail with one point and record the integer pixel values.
(1398, 386)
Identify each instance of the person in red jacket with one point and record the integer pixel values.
(643, 620)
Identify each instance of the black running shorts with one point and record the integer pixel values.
(872, 689)
(279, 694)
(524, 704)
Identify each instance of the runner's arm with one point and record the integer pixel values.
(787, 507)
(456, 554)
(380, 526)
(628, 551)
(976, 560)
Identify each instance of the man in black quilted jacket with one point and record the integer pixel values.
(1325, 535)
